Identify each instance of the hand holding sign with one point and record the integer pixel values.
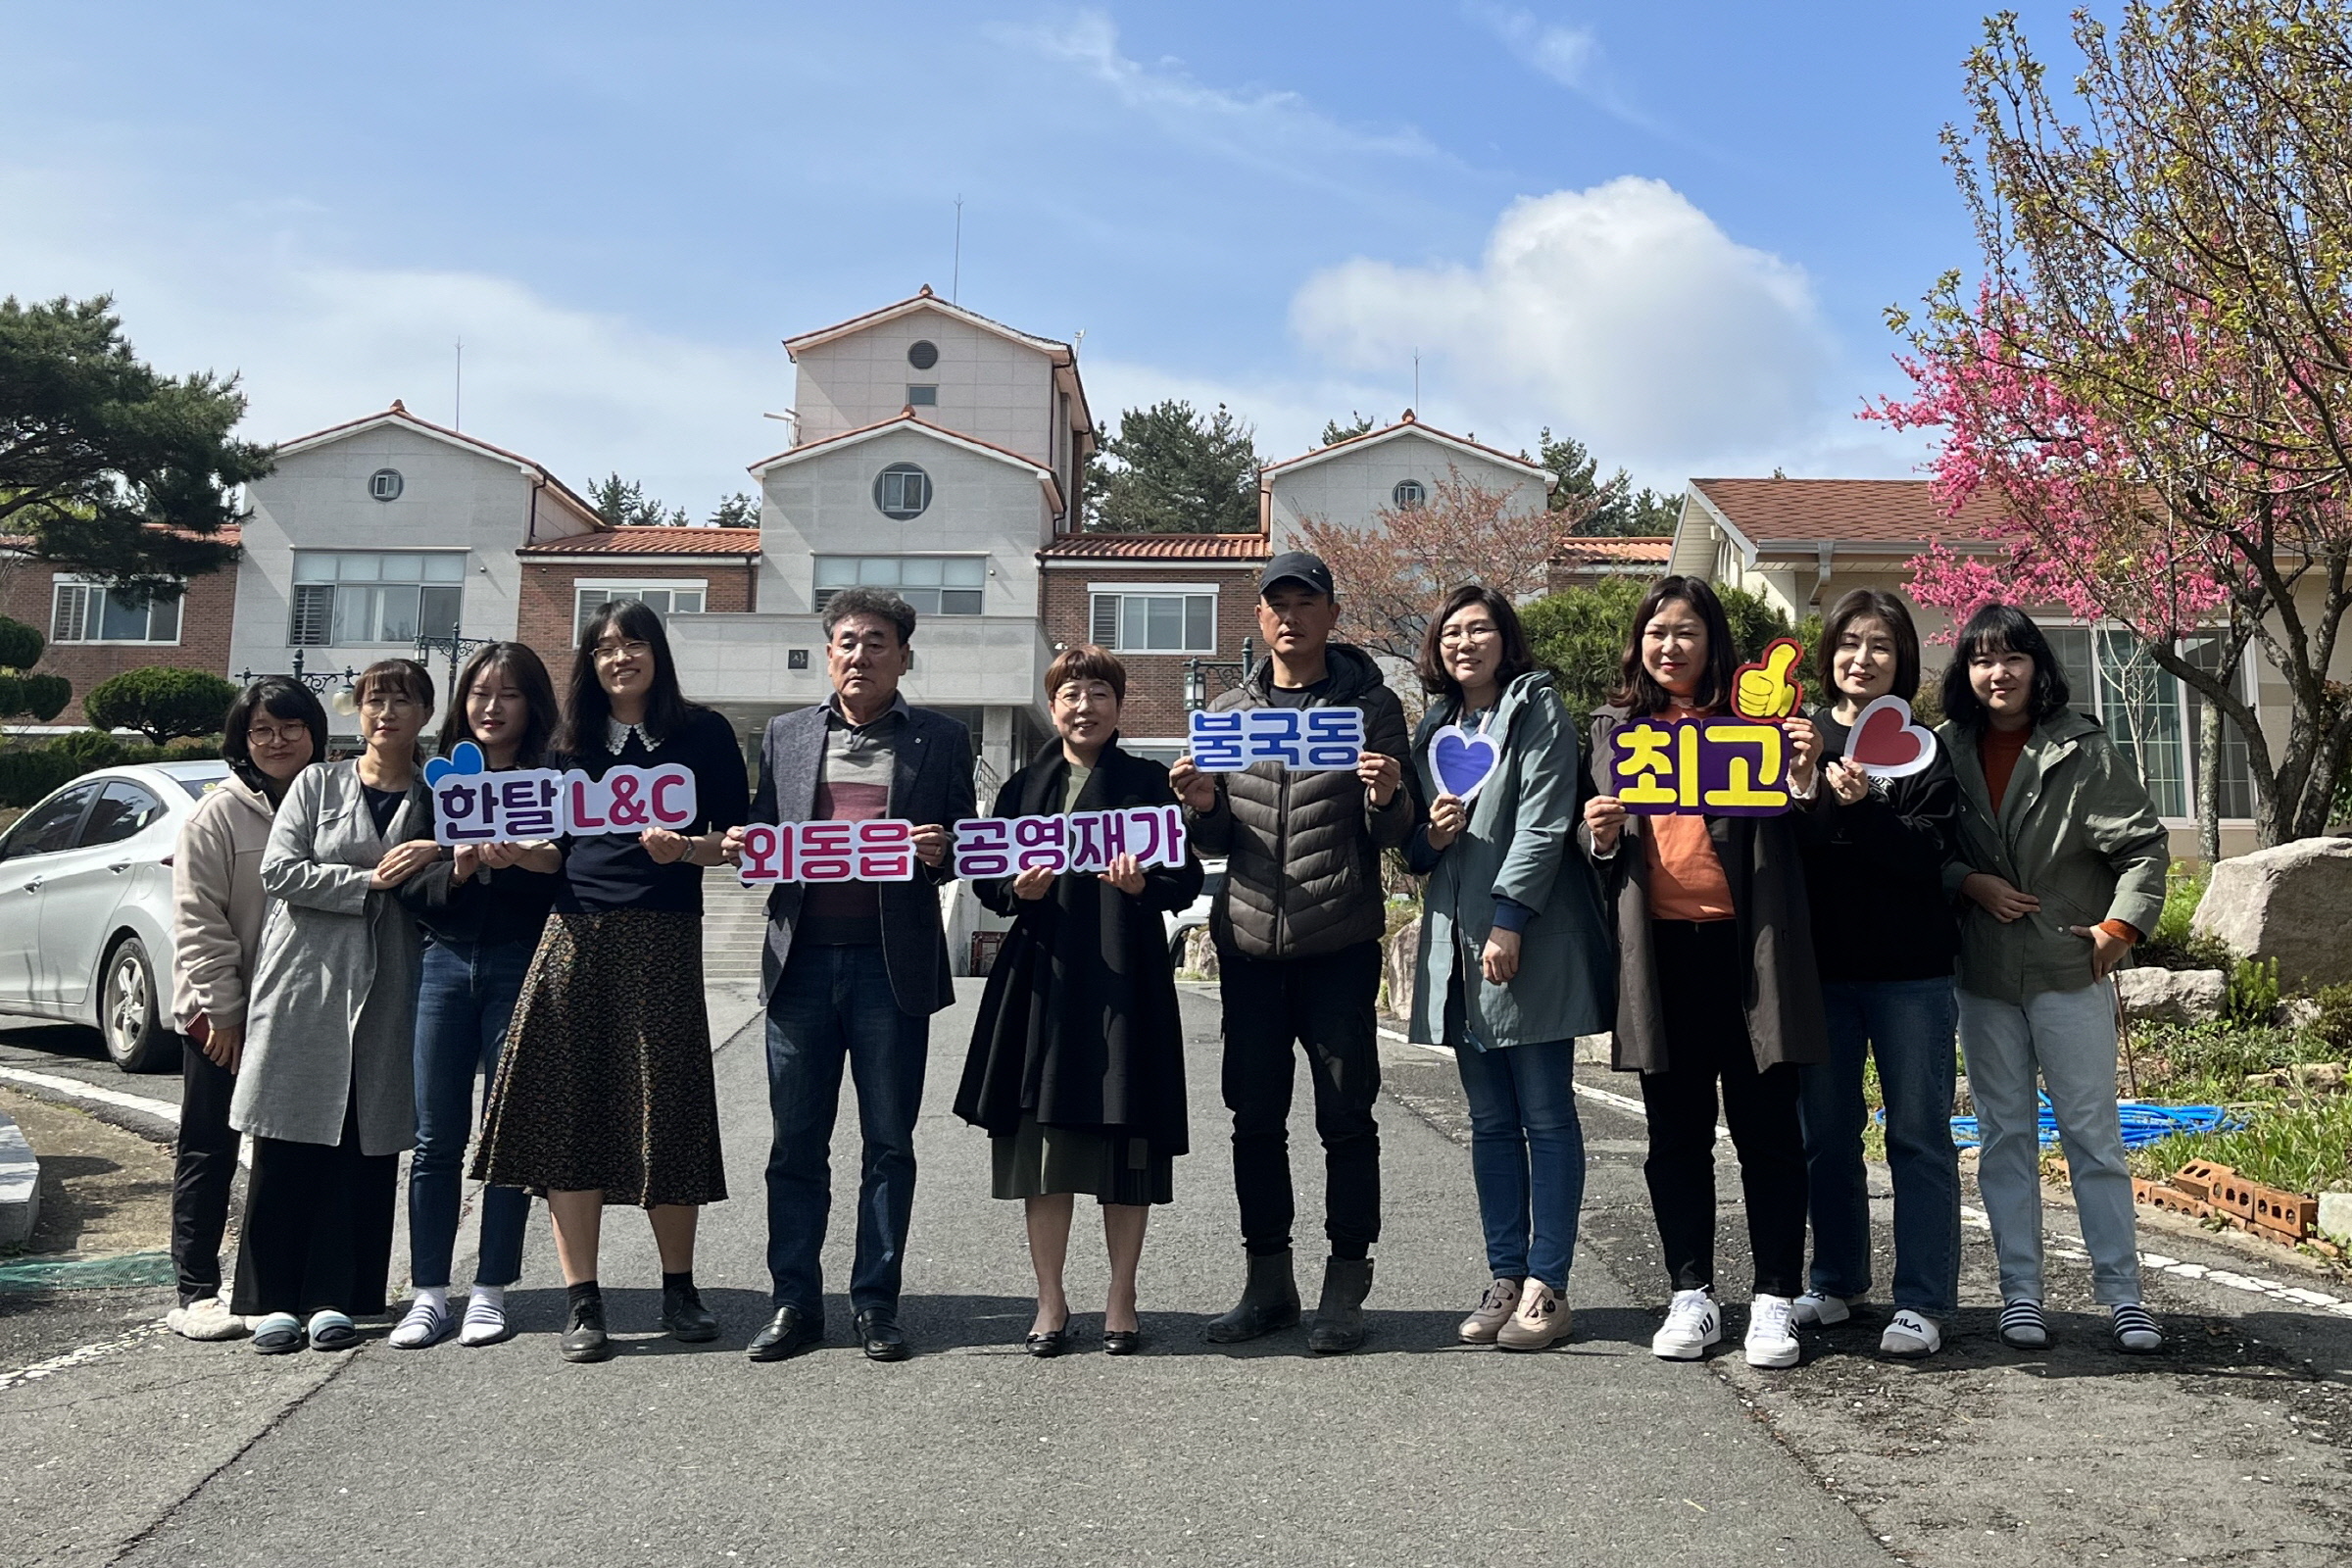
(1768, 688)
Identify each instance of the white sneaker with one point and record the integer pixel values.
(1540, 1322)
(1495, 1309)
(1816, 1311)
(1910, 1335)
(207, 1319)
(1692, 1323)
(1771, 1336)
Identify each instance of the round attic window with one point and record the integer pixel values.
(922, 354)
(1408, 494)
(385, 484)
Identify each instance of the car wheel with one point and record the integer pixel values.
(135, 1037)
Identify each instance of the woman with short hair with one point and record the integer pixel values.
(2062, 860)
(1516, 959)
(325, 1088)
(1875, 849)
(481, 909)
(272, 732)
(605, 1092)
(1076, 1066)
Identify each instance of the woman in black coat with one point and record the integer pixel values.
(1076, 1065)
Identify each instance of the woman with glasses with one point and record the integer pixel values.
(605, 1093)
(325, 1088)
(1515, 958)
(274, 729)
(482, 911)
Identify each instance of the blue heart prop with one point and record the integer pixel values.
(463, 758)
(1462, 759)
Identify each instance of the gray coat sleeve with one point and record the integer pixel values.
(1549, 794)
(291, 870)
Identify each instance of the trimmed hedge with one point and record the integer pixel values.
(29, 772)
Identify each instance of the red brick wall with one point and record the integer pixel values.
(1154, 704)
(543, 608)
(206, 610)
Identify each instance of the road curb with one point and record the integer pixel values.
(20, 1185)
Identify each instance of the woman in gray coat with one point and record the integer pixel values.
(325, 1088)
(1515, 954)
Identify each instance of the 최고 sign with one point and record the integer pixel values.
(1305, 740)
(1701, 766)
(474, 806)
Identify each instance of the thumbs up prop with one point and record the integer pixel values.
(1768, 688)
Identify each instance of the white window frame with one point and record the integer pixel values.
(1154, 590)
(818, 594)
(92, 592)
(2093, 702)
(637, 588)
(333, 584)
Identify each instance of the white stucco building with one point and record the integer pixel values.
(1398, 465)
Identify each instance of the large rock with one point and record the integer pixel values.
(1201, 953)
(2292, 903)
(1402, 961)
(2173, 996)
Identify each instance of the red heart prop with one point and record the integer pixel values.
(1885, 738)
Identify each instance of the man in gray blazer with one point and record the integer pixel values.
(853, 971)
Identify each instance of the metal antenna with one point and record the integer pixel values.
(955, 273)
(457, 420)
(1417, 381)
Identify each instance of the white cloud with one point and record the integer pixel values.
(1621, 313)
(1287, 413)
(1567, 55)
(1274, 131)
(319, 340)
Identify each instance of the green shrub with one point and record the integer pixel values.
(2253, 1000)
(2333, 1026)
(29, 772)
(161, 702)
(89, 748)
(2173, 945)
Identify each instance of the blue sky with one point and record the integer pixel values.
(1670, 228)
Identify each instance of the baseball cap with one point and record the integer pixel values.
(1297, 566)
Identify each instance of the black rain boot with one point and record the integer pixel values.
(1270, 1302)
(1339, 1314)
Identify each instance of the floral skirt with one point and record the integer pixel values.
(604, 1083)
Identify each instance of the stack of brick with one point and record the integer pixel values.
(2202, 1190)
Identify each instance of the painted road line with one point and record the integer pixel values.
(80, 1357)
(161, 1109)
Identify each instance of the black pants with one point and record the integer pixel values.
(205, 1172)
(318, 1227)
(1324, 1003)
(1701, 974)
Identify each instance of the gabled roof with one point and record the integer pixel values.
(660, 541)
(399, 415)
(1888, 514)
(1079, 548)
(907, 420)
(1411, 425)
(924, 300)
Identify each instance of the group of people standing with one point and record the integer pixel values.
(342, 982)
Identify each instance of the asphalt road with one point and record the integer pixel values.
(147, 1450)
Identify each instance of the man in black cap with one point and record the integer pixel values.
(1299, 930)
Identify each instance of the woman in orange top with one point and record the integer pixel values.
(1716, 983)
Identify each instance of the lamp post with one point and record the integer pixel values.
(456, 647)
(1196, 672)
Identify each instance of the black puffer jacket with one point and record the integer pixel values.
(1302, 850)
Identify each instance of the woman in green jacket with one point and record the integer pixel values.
(2061, 862)
(1515, 954)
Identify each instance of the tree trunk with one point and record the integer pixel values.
(2209, 782)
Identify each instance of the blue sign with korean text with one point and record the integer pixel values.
(1305, 740)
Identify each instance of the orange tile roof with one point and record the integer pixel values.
(924, 298)
(1234, 546)
(1413, 422)
(650, 542)
(1844, 510)
(1615, 547)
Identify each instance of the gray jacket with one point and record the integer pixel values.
(930, 781)
(218, 903)
(1302, 850)
(1520, 843)
(333, 1009)
(2077, 830)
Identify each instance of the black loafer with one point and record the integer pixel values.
(685, 1316)
(585, 1340)
(879, 1333)
(788, 1333)
(1122, 1342)
(1048, 1345)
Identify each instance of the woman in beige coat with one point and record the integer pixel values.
(274, 729)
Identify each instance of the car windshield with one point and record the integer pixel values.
(197, 783)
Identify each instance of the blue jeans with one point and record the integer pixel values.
(1526, 1156)
(464, 995)
(831, 1003)
(1909, 1024)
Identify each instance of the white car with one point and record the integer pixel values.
(1182, 922)
(85, 906)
